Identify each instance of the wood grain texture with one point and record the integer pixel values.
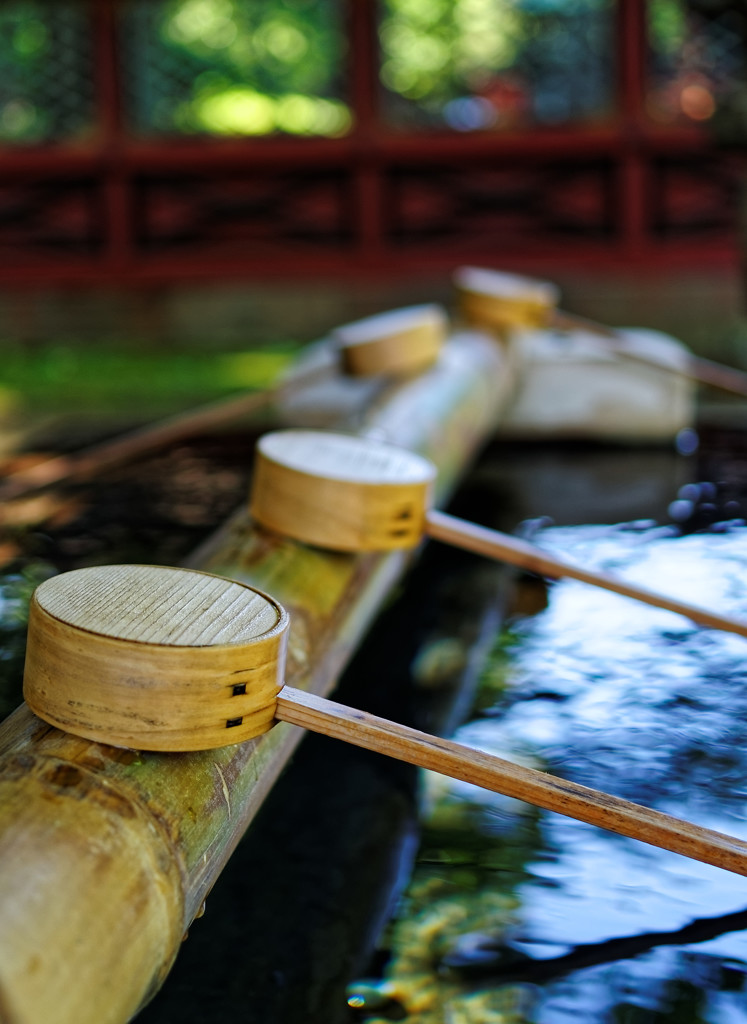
(400, 341)
(154, 658)
(152, 613)
(340, 492)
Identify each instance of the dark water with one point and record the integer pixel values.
(514, 916)
(514, 913)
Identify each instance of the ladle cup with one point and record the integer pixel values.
(164, 659)
(499, 302)
(348, 493)
(398, 344)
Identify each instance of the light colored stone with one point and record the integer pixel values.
(570, 387)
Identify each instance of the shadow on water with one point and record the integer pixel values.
(492, 960)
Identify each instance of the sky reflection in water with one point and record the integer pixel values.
(639, 702)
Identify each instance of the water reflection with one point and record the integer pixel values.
(581, 924)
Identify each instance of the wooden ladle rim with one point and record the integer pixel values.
(423, 471)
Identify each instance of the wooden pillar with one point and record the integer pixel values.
(116, 189)
(363, 58)
(633, 172)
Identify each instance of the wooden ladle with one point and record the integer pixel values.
(397, 343)
(350, 493)
(164, 659)
(499, 302)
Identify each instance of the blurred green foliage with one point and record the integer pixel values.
(258, 67)
(667, 26)
(64, 378)
(46, 71)
(221, 67)
(497, 64)
(263, 67)
(236, 67)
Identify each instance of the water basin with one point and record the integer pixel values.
(519, 915)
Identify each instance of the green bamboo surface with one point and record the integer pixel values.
(87, 807)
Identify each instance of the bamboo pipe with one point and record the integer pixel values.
(396, 343)
(498, 301)
(170, 823)
(155, 658)
(354, 494)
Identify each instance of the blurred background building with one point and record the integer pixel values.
(154, 151)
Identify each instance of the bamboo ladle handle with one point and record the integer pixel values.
(695, 368)
(156, 658)
(494, 773)
(499, 302)
(501, 546)
(354, 494)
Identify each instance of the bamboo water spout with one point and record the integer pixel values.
(173, 659)
(354, 494)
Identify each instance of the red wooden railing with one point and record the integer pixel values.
(118, 208)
